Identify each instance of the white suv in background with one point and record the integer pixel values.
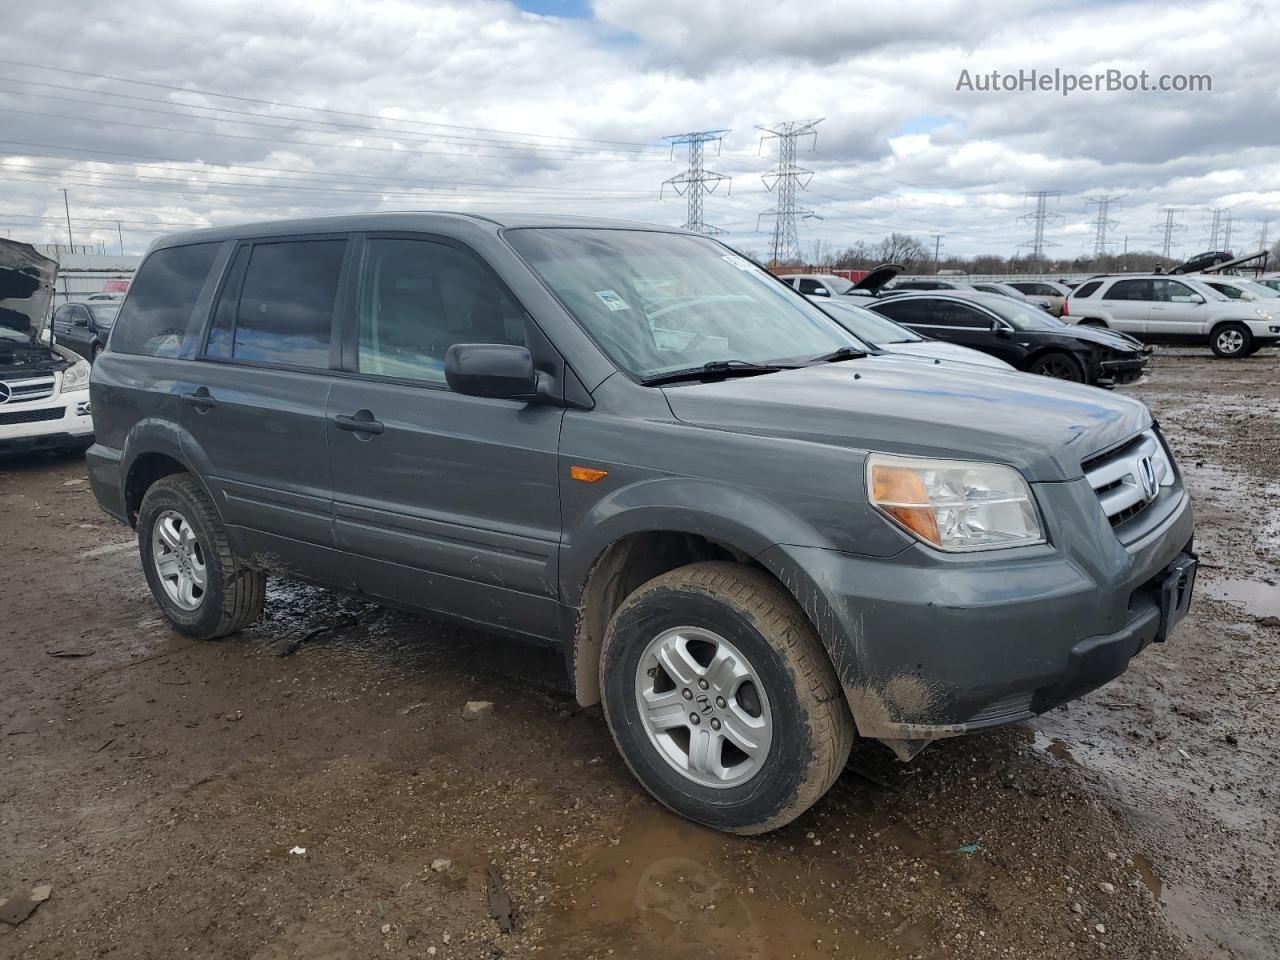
(1174, 309)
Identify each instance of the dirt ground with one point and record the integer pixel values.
(164, 789)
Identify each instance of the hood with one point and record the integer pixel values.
(26, 288)
(1043, 427)
(1107, 338)
(937, 350)
(878, 277)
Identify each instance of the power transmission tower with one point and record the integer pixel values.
(937, 248)
(1170, 226)
(1215, 227)
(785, 180)
(1226, 232)
(1263, 231)
(1102, 222)
(697, 181)
(1040, 219)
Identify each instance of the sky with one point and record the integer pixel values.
(166, 116)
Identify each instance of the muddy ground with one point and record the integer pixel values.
(159, 785)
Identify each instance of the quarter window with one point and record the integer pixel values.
(158, 316)
(1087, 290)
(418, 298)
(286, 304)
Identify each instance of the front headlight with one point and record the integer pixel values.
(955, 505)
(1263, 314)
(76, 376)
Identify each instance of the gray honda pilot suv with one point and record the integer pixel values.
(753, 536)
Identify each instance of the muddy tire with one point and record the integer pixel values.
(744, 725)
(1231, 340)
(1058, 366)
(201, 586)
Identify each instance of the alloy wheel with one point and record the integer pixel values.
(703, 707)
(179, 560)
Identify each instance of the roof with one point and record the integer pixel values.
(425, 220)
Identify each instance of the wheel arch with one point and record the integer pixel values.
(155, 449)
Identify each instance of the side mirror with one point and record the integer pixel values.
(1196, 299)
(822, 292)
(1000, 329)
(498, 370)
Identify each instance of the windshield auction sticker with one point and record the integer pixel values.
(612, 300)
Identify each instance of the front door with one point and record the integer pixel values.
(444, 502)
(1129, 304)
(1177, 311)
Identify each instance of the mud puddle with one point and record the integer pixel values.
(668, 888)
(1259, 598)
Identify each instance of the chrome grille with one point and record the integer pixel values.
(1129, 478)
(37, 388)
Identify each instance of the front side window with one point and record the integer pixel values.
(812, 287)
(418, 298)
(285, 310)
(663, 302)
(1172, 291)
(157, 318)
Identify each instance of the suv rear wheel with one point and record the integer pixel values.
(201, 586)
(721, 698)
(1231, 340)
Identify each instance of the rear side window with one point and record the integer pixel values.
(158, 317)
(283, 313)
(1088, 290)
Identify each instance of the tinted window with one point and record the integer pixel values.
(418, 298)
(1087, 290)
(948, 313)
(912, 312)
(813, 287)
(158, 316)
(104, 316)
(1235, 293)
(286, 303)
(1130, 290)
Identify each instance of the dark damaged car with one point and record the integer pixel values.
(44, 389)
(753, 536)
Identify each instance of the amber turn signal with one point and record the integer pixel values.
(899, 493)
(587, 474)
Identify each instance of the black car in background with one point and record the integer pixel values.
(83, 327)
(1021, 335)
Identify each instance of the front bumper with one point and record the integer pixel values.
(56, 422)
(1123, 369)
(930, 645)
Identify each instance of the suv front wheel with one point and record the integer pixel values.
(1231, 340)
(201, 586)
(721, 698)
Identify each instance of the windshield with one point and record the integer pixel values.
(839, 284)
(870, 326)
(1022, 316)
(661, 302)
(104, 315)
(1257, 289)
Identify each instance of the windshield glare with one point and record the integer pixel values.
(661, 302)
(839, 284)
(870, 326)
(105, 316)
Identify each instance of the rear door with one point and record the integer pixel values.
(255, 406)
(1128, 303)
(444, 502)
(953, 322)
(1177, 311)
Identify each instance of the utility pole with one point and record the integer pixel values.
(937, 248)
(1039, 220)
(120, 237)
(697, 180)
(66, 204)
(784, 181)
(1102, 222)
(1170, 226)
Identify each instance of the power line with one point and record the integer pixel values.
(787, 177)
(1039, 220)
(696, 181)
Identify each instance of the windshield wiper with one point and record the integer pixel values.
(717, 368)
(842, 353)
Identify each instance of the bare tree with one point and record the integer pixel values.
(902, 248)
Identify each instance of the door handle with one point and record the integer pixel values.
(202, 400)
(361, 422)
